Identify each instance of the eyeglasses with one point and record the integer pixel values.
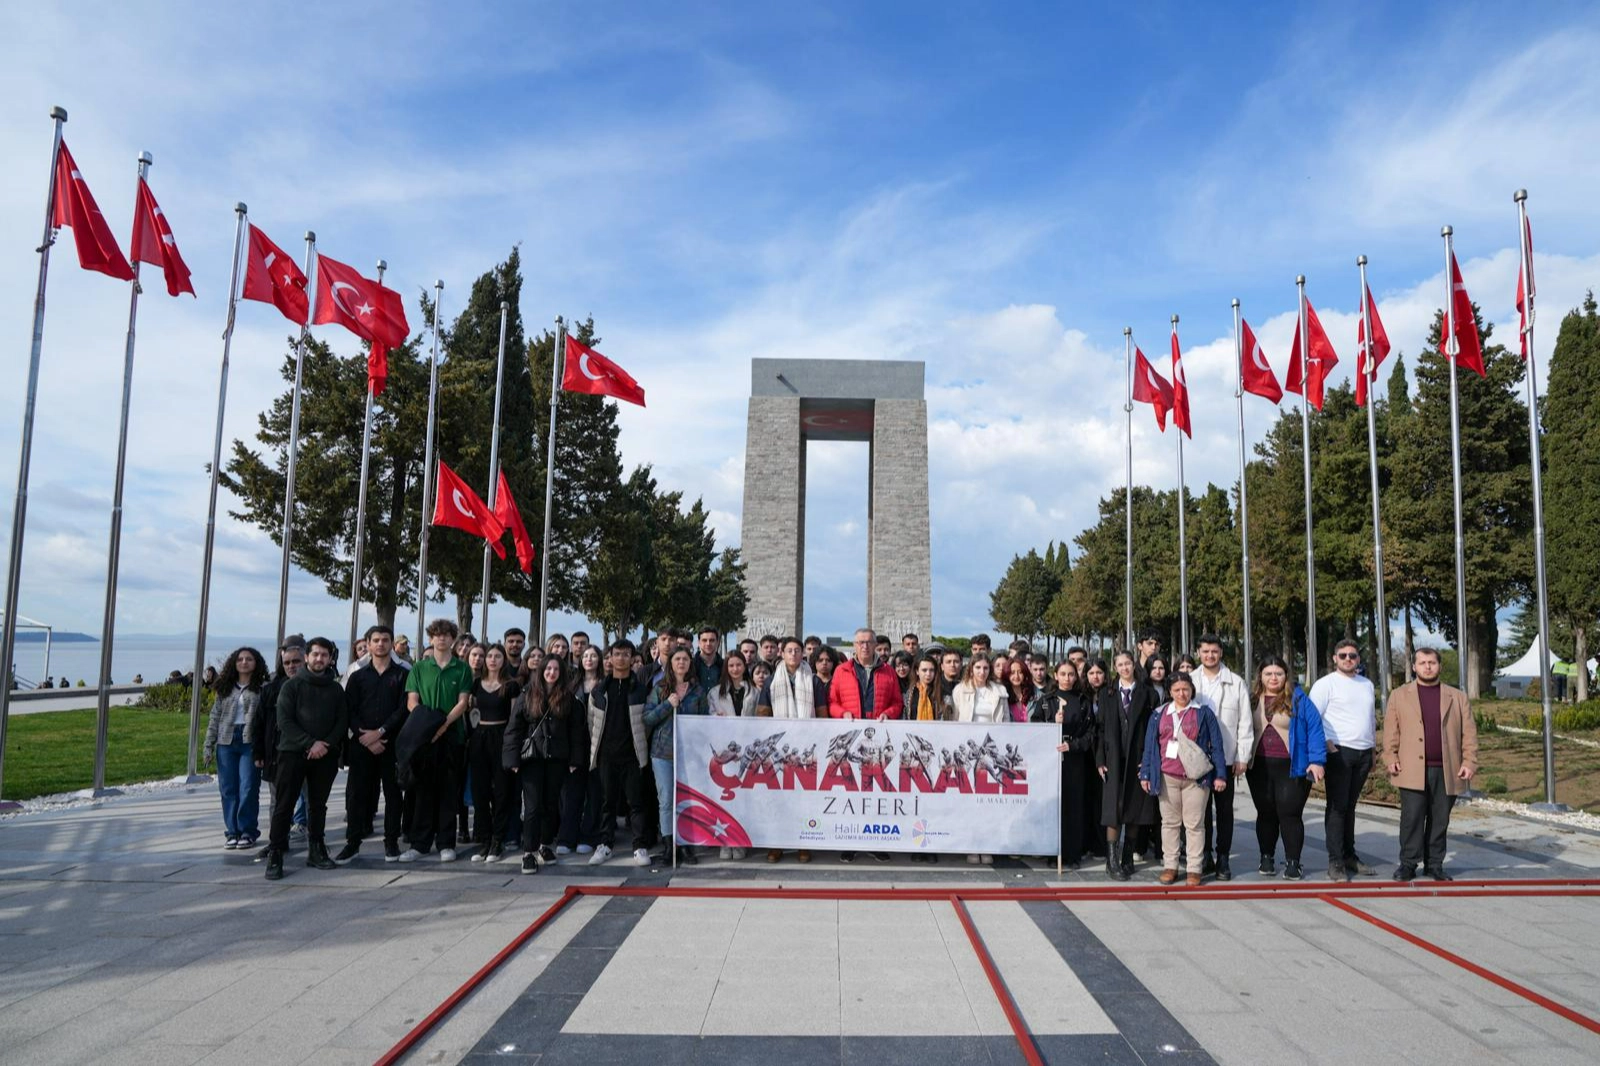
(1347, 655)
(294, 662)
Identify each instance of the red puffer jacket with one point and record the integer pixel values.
(844, 692)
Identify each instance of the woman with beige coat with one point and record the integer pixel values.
(1430, 746)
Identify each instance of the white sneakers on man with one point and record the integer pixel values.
(601, 854)
(641, 857)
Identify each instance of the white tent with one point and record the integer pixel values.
(1513, 679)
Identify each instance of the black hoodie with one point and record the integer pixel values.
(311, 707)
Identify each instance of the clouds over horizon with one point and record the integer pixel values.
(734, 189)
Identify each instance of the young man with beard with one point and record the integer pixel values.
(950, 667)
(515, 642)
(312, 718)
(1430, 745)
(620, 753)
(708, 663)
(375, 694)
(1226, 692)
(1345, 700)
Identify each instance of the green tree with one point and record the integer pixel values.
(621, 577)
(327, 474)
(1571, 453)
(1496, 516)
(728, 600)
(1018, 604)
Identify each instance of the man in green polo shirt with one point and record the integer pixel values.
(443, 682)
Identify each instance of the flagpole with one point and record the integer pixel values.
(1183, 542)
(1371, 370)
(1549, 804)
(108, 621)
(1305, 455)
(427, 479)
(361, 508)
(240, 210)
(550, 471)
(294, 437)
(1452, 348)
(19, 510)
(1127, 355)
(1244, 505)
(494, 461)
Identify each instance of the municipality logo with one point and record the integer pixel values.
(919, 833)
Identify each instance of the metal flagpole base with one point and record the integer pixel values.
(9, 806)
(1549, 808)
(106, 793)
(199, 779)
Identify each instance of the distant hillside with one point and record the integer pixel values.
(35, 636)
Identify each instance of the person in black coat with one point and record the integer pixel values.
(546, 743)
(264, 728)
(1126, 704)
(1067, 705)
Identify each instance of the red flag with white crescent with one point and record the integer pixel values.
(505, 510)
(458, 507)
(1523, 298)
(1151, 388)
(1255, 372)
(1320, 357)
(153, 242)
(589, 371)
(272, 277)
(1180, 390)
(702, 821)
(75, 207)
(1465, 346)
(365, 308)
(1380, 349)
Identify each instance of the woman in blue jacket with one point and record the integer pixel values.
(678, 692)
(1182, 798)
(1288, 757)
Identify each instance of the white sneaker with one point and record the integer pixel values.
(738, 853)
(562, 850)
(641, 857)
(585, 849)
(478, 857)
(601, 854)
(724, 853)
(410, 855)
(974, 859)
(447, 855)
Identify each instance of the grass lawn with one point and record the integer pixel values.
(54, 751)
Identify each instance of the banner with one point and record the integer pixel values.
(828, 783)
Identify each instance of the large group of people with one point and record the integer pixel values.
(481, 748)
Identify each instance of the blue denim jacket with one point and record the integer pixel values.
(658, 715)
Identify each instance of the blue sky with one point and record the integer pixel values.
(994, 189)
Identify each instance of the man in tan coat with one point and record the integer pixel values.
(1430, 745)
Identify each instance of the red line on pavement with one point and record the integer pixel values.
(1509, 985)
(407, 1042)
(1019, 1028)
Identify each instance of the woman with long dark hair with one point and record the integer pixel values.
(492, 694)
(1067, 705)
(678, 692)
(734, 695)
(1020, 689)
(581, 798)
(1126, 809)
(1155, 675)
(904, 671)
(238, 701)
(927, 699)
(1290, 753)
(546, 745)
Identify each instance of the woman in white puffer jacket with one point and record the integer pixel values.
(979, 697)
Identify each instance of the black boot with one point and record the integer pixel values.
(1114, 868)
(1126, 850)
(274, 864)
(318, 858)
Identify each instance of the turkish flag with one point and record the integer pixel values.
(589, 371)
(153, 242)
(1151, 388)
(271, 277)
(1380, 349)
(457, 506)
(1180, 390)
(74, 206)
(365, 308)
(1464, 346)
(1255, 372)
(1321, 358)
(505, 511)
(1523, 320)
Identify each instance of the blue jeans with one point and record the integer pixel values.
(665, 779)
(239, 781)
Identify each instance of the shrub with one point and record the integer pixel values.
(1493, 786)
(1576, 719)
(173, 697)
(1486, 723)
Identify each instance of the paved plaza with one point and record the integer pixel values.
(128, 935)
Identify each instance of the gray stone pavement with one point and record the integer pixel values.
(127, 935)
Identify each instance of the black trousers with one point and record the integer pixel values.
(1222, 804)
(1346, 776)
(1424, 821)
(438, 791)
(1077, 775)
(622, 782)
(1280, 807)
(580, 808)
(542, 781)
(369, 774)
(491, 783)
(316, 775)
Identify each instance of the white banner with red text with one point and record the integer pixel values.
(840, 784)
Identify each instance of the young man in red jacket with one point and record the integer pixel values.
(867, 689)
